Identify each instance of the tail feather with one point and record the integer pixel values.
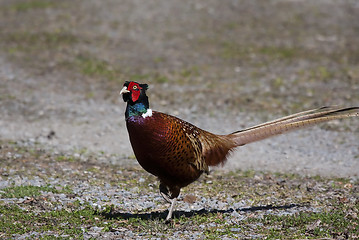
(292, 122)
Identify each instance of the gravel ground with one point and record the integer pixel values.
(116, 194)
(69, 123)
(223, 66)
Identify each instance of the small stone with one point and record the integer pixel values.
(190, 198)
(235, 214)
(235, 229)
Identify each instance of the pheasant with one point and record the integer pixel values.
(178, 152)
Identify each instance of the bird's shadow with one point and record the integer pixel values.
(113, 214)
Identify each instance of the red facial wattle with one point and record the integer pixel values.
(135, 90)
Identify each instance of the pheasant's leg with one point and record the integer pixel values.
(164, 193)
(170, 210)
(170, 195)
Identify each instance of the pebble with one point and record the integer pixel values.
(235, 214)
(235, 229)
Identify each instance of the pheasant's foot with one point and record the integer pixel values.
(170, 210)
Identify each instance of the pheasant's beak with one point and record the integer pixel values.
(124, 90)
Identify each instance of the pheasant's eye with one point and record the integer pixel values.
(134, 87)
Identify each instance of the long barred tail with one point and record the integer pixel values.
(292, 122)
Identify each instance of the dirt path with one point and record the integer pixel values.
(236, 62)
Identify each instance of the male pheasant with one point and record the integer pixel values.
(178, 152)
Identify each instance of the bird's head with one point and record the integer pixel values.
(133, 91)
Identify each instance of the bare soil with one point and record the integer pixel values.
(222, 65)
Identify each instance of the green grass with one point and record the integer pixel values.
(30, 191)
(7, 97)
(326, 224)
(65, 158)
(279, 52)
(268, 53)
(15, 220)
(29, 42)
(93, 67)
(27, 5)
(299, 225)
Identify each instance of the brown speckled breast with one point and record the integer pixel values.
(167, 147)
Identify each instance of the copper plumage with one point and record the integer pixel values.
(178, 152)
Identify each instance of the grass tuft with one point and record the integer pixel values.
(29, 5)
(30, 191)
(15, 220)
